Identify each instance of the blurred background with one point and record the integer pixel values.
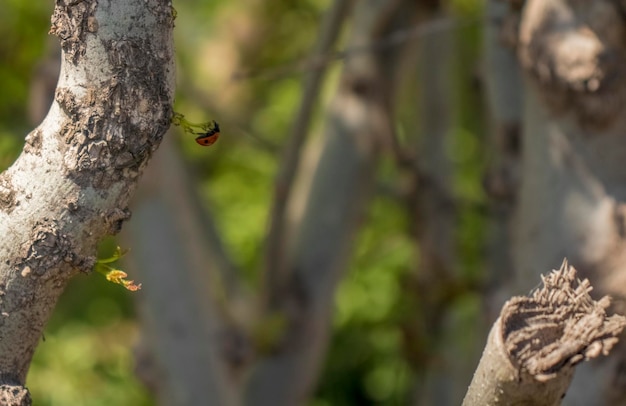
(346, 191)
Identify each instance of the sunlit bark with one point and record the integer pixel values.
(71, 185)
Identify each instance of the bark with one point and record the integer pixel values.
(72, 183)
(573, 183)
(537, 340)
(572, 194)
(340, 190)
(176, 257)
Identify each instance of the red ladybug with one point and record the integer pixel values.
(209, 138)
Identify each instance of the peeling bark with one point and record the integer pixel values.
(71, 185)
(538, 339)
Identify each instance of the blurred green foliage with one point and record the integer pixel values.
(366, 363)
(23, 28)
(86, 356)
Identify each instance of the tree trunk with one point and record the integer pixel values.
(534, 345)
(573, 183)
(71, 185)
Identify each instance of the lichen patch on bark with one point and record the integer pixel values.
(71, 20)
(109, 136)
(46, 248)
(50, 248)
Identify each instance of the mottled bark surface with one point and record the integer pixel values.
(71, 185)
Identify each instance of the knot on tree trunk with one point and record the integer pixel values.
(577, 55)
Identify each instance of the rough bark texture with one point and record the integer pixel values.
(537, 340)
(72, 182)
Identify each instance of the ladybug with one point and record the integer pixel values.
(208, 138)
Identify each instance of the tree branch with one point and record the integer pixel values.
(72, 182)
(537, 340)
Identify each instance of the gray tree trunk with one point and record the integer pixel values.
(573, 186)
(71, 185)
